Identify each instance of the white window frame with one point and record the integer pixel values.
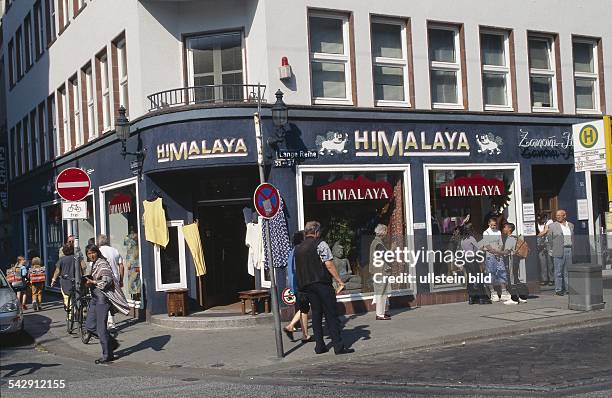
(551, 73)
(36, 137)
(498, 70)
(29, 35)
(54, 115)
(106, 100)
(409, 231)
(393, 62)
(66, 119)
(182, 284)
(43, 217)
(447, 67)
(518, 198)
(45, 133)
(103, 227)
(594, 76)
(76, 100)
(40, 20)
(344, 58)
(66, 11)
(53, 17)
(123, 73)
(91, 103)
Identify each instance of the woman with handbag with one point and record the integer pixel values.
(105, 295)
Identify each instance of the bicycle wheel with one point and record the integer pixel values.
(70, 314)
(83, 333)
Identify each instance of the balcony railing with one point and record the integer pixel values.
(212, 95)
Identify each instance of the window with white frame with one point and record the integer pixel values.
(22, 163)
(586, 75)
(123, 74)
(53, 125)
(330, 68)
(39, 32)
(66, 12)
(28, 46)
(104, 81)
(65, 120)
(542, 75)
(445, 66)
(43, 128)
(36, 153)
(76, 115)
(170, 268)
(27, 138)
(390, 62)
(50, 16)
(496, 82)
(91, 119)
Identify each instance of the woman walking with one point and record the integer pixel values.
(105, 294)
(301, 299)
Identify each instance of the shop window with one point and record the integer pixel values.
(330, 68)
(460, 196)
(445, 66)
(215, 60)
(31, 234)
(53, 237)
(170, 269)
(586, 75)
(390, 62)
(542, 73)
(121, 227)
(349, 204)
(496, 83)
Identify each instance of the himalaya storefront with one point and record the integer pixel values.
(422, 179)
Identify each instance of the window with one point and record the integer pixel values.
(104, 116)
(65, 13)
(123, 74)
(390, 62)
(88, 107)
(64, 121)
(215, 60)
(11, 63)
(14, 153)
(39, 34)
(542, 74)
(43, 134)
(27, 145)
(445, 67)
(496, 83)
(330, 67)
(19, 53)
(54, 139)
(27, 31)
(31, 233)
(35, 133)
(586, 75)
(50, 21)
(75, 108)
(170, 269)
(53, 237)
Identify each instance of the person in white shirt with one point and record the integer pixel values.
(493, 245)
(561, 234)
(116, 262)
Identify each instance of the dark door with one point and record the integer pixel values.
(222, 231)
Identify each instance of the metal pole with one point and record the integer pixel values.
(77, 263)
(608, 143)
(274, 296)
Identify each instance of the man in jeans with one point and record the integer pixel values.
(561, 234)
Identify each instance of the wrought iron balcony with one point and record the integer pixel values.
(213, 95)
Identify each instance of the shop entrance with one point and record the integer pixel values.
(548, 181)
(603, 237)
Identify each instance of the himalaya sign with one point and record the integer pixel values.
(204, 149)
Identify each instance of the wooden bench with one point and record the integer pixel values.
(254, 296)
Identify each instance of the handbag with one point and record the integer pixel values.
(522, 248)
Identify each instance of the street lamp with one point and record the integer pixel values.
(280, 115)
(122, 129)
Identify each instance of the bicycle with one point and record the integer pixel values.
(76, 312)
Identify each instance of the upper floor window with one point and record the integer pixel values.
(27, 31)
(75, 105)
(495, 58)
(90, 101)
(19, 53)
(121, 62)
(43, 133)
(39, 34)
(103, 82)
(445, 66)
(586, 75)
(62, 99)
(64, 15)
(14, 152)
(330, 68)
(11, 63)
(542, 73)
(50, 29)
(36, 141)
(215, 60)
(390, 62)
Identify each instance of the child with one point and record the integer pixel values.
(20, 272)
(37, 282)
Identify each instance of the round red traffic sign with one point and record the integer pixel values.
(266, 200)
(287, 296)
(72, 184)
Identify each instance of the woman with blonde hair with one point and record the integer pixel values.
(37, 282)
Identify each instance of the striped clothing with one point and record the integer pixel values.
(108, 284)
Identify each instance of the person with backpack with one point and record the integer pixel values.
(18, 278)
(37, 282)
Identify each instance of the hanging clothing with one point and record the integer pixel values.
(279, 238)
(253, 240)
(156, 230)
(192, 237)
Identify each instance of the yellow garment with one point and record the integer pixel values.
(156, 230)
(192, 237)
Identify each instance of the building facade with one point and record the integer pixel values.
(415, 116)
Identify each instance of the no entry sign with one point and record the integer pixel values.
(266, 200)
(72, 184)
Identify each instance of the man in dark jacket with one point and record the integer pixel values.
(315, 269)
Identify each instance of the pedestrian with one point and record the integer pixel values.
(492, 244)
(301, 299)
(19, 280)
(37, 283)
(105, 294)
(561, 235)
(380, 273)
(512, 263)
(116, 263)
(65, 271)
(547, 270)
(477, 291)
(315, 269)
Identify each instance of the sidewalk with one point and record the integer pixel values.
(252, 351)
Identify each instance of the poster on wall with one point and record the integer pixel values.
(528, 212)
(583, 209)
(529, 228)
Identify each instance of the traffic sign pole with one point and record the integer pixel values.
(608, 141)
(274, 296)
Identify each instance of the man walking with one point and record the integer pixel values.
(315, 269)
(561, 234)
(115, 260)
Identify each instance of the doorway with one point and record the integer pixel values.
(548, 182)
(603, 237)
(222, 231)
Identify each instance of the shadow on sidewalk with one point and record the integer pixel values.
(15, 369)
(155, 343)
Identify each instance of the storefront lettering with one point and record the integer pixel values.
(120, 208)
(377, 143)
(475, 185)
(221, 147)
(360, 188)
(471, 191)
(545, 147)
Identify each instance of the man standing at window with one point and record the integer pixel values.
(561, 234)
(315, 269)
